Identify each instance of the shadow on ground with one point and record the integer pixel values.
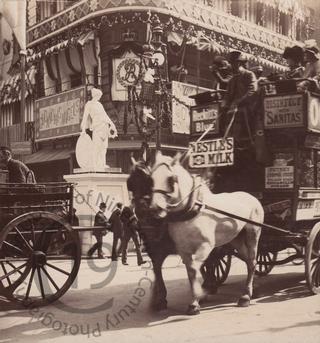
(119, 316)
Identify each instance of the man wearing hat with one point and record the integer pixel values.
(222, 72)
(99, 220)
(243, 83)
(294, 57)
(18, 171)
(239, 99)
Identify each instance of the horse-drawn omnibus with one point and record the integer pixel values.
(280, 166)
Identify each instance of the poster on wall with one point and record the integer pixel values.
(181, 108)
(59, 115)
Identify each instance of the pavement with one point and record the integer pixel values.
(110, 303)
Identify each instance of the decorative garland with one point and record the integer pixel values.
(169, 24)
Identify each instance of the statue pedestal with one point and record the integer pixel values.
(89, 191)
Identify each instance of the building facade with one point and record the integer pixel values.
(76, 45)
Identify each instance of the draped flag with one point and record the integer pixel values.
(15, 13)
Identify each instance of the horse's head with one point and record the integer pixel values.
(171, 182)
(140, 184)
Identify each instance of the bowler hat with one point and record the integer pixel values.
(295, 53)
(220, 62)
(236, 56)
(102, 205)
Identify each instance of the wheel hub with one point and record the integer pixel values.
(39, 259)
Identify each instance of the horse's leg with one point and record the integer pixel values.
(159, 294)
(246, 244)
(193, 267)
(252, 235)
(207, 270)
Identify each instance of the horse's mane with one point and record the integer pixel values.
(140, 180)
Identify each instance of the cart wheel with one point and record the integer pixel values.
(312, 260)
(39, 258)
(219, 267)
(264, 257)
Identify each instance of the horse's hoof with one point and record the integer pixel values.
(161, 306)
(193, 310)
(244, 301)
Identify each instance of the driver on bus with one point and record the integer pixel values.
(239, 100)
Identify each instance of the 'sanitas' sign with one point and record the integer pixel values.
(212, 153)
(59, 115)
(283, 111)
(203, 117)
(279, 177)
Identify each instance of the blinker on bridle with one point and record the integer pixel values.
(171, 180)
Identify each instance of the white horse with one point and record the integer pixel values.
(176, 195)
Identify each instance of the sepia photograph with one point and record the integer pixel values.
(160, 171)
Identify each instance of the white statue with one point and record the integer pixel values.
(95, 119)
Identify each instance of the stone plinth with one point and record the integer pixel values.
(90, 190)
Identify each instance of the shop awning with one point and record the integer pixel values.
(49, 155)
(136, 145)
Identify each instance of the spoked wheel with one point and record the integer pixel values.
(39, 258)
(264, 262)
(312, 260)
(219, 266)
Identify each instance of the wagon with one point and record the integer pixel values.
(282, 169)
(40, 252)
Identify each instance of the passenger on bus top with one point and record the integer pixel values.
(294, 57)
(312, 67)
(222, 71)
(242, 85)
(312, 60)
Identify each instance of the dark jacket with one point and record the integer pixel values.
(100, 220)
(129, 220)
(116, 224)
(241, 88)
(18, 171)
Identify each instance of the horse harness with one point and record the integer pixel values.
(195, 201)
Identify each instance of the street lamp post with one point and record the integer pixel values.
(159, 59)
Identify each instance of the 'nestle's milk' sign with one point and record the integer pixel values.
(212, 153)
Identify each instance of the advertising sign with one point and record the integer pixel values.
(308, 209)
(313, 113)
(203, 117)
(212, 153)
(283, 111)
(279, 177)
(59, 115)
(181, 108)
